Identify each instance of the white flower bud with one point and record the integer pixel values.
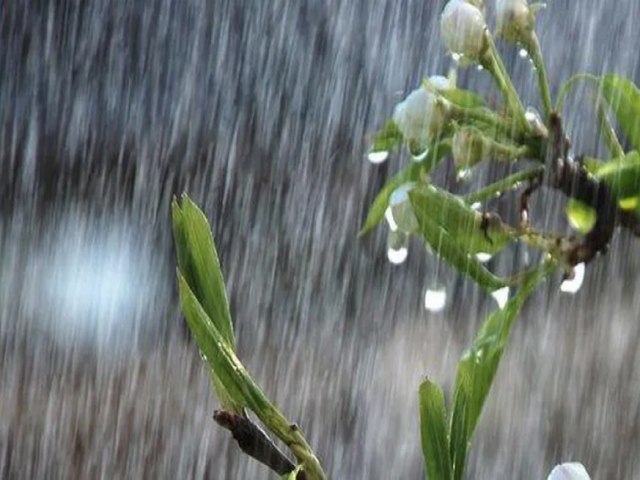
(463, 29)
(439, 82)
(421, 116)
(468, 148)
(569, 471)
(514, 20)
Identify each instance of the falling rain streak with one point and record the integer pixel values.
(261, 111)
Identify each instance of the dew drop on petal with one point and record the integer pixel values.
(572, 285)
(378, 157)
(501, 296)
(435, 299)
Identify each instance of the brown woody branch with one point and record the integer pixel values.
(253, 441)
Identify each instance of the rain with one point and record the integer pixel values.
(263, 112)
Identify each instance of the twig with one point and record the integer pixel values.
(253, 441)
(568, 176)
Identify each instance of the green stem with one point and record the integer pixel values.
(535, 52)
(570, 84)
(608, 133)
(493, 63)
(481, 114)
(507, 183)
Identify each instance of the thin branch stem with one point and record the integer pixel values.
(608, 133)
(507, 183)
(493, 63)
(543, 82)
(253, 441)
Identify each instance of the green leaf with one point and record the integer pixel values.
(581, 216)
(473, 231)
(456, 232)
(387, 139)
(624, 99)
(622, 175)
(220, 357)
(477, 369)
(199, 264)
(411, 173)
(433, 431)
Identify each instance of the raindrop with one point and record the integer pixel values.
(572, 285)
(463, 175)
(479, 68)
(483, 257)
(523, 53)
(401, 209)
(397, 256)
(397, 247)
(476, 206)
(388, 214)
(535, 122)
(456, 57)
(501, 296)
(419, 154)
(378, 157)
(435, 299)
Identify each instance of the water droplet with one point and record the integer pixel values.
(479, 68)
(501, 296)
(572, 285)
(397, 256)
(523, 53)
(532, 116)
(476, 206)
(456, 57)
(463, 175)
(435, 299)
(397, 247)
(402, 210)
(378, 157)
(388, 214)
(483, 257)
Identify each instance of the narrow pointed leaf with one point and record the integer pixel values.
(433, 431)
(199, 264)
(478, 367)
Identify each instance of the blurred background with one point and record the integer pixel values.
(262, 111)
